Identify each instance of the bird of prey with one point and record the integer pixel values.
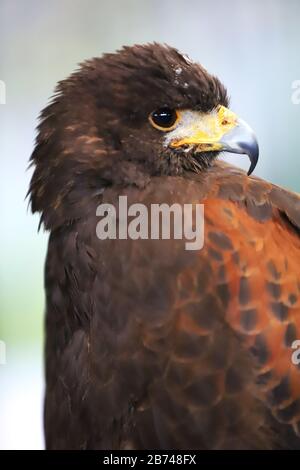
(148, 344)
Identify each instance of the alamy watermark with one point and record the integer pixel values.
(2, 353)
(296, 353)
(159, 221)
(295, 97)
(2, 92)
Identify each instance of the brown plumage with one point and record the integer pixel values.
(149, 345)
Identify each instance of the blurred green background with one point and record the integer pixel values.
(252, 45)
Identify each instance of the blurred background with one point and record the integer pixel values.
(252, 45)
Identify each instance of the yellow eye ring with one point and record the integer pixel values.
(165, 119)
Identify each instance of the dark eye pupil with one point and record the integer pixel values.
(164, 117)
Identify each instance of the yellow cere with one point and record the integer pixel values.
(202, 129)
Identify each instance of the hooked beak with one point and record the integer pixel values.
(219, 130)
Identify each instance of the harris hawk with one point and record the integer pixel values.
(150, 345)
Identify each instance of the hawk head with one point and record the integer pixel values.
(123, 118)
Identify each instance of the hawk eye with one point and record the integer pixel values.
(164, 118)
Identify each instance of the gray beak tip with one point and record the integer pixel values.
(253, 161)
(242, 140)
